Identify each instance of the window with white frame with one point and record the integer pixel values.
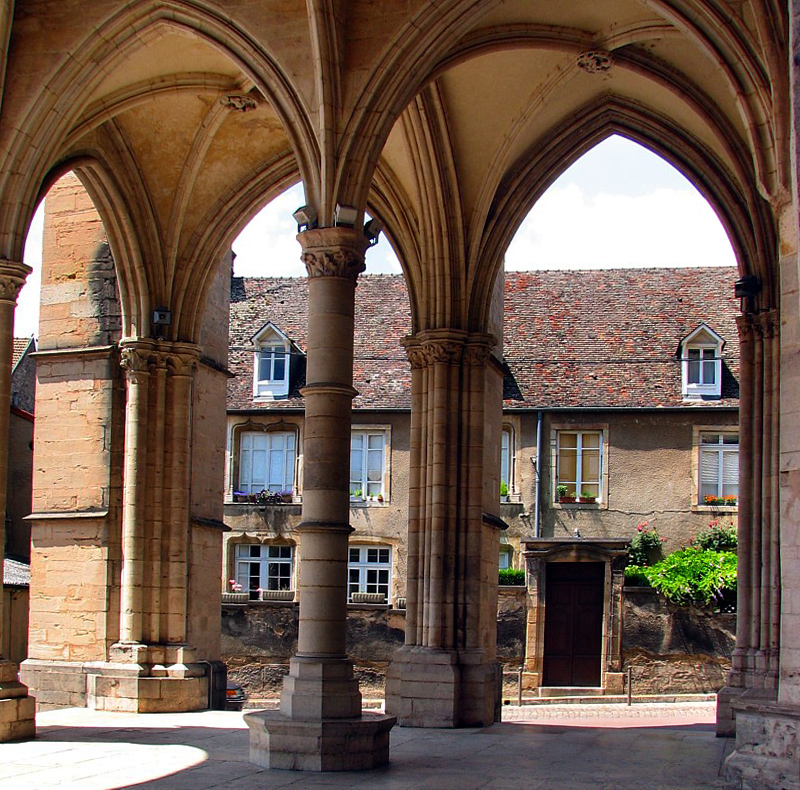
(266, 462)
(701, 355)
(369, 570)
(718, 469)
(505, 557)
(260, 567)
(367, 464)
(579, 463)
(505, 464)
(271, 363)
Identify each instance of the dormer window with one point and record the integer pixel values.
(271, 364)
(701, 357)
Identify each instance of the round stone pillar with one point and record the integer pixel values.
(17, 718)
(320, 725)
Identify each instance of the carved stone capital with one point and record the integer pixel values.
(414, 352)
(137, 357)
(745, 327)
(181, 359)
(769, 324)
(595, 61)
(333, 252)
(12, 278)
(479, 349)
(442, 352)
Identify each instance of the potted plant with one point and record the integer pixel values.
(236, 594)
(379, 497)
(356, 493)
(588, 498)
(503, 491)
(564, 494)
(286, 495)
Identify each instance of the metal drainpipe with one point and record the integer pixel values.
(537, 516)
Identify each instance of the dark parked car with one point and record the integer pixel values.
(235, 696)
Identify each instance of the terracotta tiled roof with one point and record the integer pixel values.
(20, 346)
(382, 318)
(605, 338)
(611, 337)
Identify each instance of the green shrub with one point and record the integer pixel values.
(636, 576)
(503, 488)
(695, 576)
(719, 537)
(511, 576)
(644, 544)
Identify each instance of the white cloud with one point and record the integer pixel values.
(569, 228)
(26, 316)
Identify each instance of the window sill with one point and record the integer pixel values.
(579, 505)
(715, 508)
(368, 503)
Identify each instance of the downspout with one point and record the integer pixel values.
(537, 516)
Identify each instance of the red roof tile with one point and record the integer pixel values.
(606, 338)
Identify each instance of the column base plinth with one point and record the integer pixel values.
(442, 688)
(357, 744)
(17, 707)
(319, 689)
(767, 745)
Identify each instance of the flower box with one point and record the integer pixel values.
(277, 595)
(235, 597)
(401, 603)
(588, 500)
(362, 597)
(567, 500)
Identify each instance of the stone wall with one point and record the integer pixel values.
(258, 639)
(674, 649)
(671, 649)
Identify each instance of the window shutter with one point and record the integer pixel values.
(709, 469)
(730, 473)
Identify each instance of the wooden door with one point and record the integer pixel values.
(573, 623)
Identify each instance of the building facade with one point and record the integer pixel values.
(603, 431)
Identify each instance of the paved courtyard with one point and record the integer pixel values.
(555, 746)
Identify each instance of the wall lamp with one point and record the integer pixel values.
(306, 218)
(747, 289)
(372, 230)
(345, 216)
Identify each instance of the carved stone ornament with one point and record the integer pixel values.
(334, 263)
(416, 356)
(136, 359)
(595, 61)
(239, 102)
(12, 278)
(181, 359)
(769, 323)
(477, 354)
(333, 252)
(442, 352)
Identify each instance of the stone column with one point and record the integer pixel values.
(320, 726)
(152, 667)
(445, 674)
(136, 363)
(17, 709)
(754, 669)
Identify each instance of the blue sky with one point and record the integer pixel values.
(618, 206)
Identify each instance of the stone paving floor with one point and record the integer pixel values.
(646, 746)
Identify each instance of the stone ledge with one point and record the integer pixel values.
(277, 741)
